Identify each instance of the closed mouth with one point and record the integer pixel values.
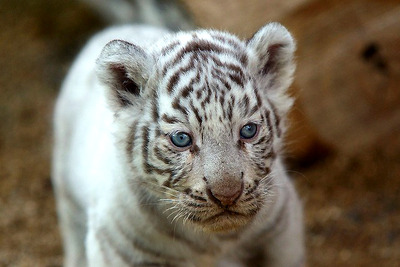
(226, 214)
(225, 222)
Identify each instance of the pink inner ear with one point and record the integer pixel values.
(272, 62)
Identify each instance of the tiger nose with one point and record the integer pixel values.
(225, 194)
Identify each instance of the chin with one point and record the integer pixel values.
(224, 223)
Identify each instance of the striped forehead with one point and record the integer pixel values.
(200, 42)
(204, 77)
(199, 52)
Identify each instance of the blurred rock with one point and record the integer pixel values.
(349, 69)
(348, 75)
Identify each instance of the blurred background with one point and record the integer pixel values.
(343, 146)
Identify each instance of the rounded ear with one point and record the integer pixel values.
(125, 69)
(273, 48)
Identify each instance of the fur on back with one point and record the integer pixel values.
(130, 194)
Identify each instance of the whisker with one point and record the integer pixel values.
(177, 216)
(170, 208)
(173, 213)
(168, 200)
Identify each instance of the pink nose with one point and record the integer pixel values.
(225, 196)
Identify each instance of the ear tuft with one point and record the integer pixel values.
(274, 47)
(124, 68)
(272, 63)
(126, 85)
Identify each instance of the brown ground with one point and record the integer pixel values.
(352, 200)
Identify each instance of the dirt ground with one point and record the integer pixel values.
(352, 200)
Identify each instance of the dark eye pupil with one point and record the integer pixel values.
(181, 139)
(248, 131)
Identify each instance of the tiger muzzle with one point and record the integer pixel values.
(222, 173)
(225, 193)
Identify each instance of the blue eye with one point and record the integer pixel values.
(181, 139)
(248, 131)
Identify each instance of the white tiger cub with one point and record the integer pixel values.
(168, 151)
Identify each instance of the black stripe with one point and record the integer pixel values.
(225, 83)
(176, 76)
(196, 205)
(141, 245)
(229, 111)
(160, 156)
(145, 148)
(155, 111)
(194, 46)
(239, 80)
(147, 166)
(277, 119)
(184, 170)
(169, 48)
(131, 141)
(186, 91)
(172, 81)
(228, 66)
(196, 113)
(268, 122)
(150, 168)
(104, 252)
(199, 94)
(106, 238)
(177, 106)
(240, 52)
(245, 105)
(170, 120)
(231, 103)
(253, 110)
(260, 141)
(258, 97)
(252, 189)
(222, 99)
(202, 46)
(236, 44)
(206, 100)
(168, 182)
(198, 198)
(243, 59)
(261, 170)
(179, 177)
(218, 75)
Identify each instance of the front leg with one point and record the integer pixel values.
(100, 250)
(285, 246)
(281, 242)
(107, 246)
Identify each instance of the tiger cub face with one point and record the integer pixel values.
(201, 117)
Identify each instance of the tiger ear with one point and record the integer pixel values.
(273, 65)
(125, 69)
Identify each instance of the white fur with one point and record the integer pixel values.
(90, 170)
